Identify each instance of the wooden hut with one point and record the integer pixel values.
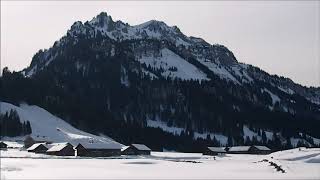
(249, 150)
(38, 148)
(3, 145)
(214, 151)
(96, 149)
(136, 149)
(61, 149)
(239, 150)
(259, 150)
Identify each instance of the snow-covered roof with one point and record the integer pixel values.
(239, 148)
(57, 147)
(263, 148)
(217, 149)
(141, 147)
(124, 148)
(100, 145)
(34, 146)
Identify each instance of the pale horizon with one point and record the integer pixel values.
(279, 37)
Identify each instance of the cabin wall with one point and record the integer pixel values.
(81, 151)
(39, 149)
(103, 152)
(130, 151)
(67, 151)
(210, 153)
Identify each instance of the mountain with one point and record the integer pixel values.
(48, 127)
(150, 83)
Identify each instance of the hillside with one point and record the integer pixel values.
(46, 126)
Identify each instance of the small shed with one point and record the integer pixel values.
(239, 150)
(61, 149)
(38, 148)
(3, 145)
(96, 149)
(136, 149)
(214, 151)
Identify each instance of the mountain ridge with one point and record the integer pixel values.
(112, 78)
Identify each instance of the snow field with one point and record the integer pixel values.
(166, 165)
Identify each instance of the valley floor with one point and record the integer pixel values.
(298, 164)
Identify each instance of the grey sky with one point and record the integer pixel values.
(280, 37)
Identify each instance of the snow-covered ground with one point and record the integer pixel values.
(303, 164)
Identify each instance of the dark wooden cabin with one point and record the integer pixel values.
(249, 150)
(38, 148)
(3, 145)
(214, 151)
(97, 150)
(137, 149)
(239, 150)
(260, 150)
(61, 149)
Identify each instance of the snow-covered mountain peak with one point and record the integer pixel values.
(102, 20)
(153, 25)
(152, 36)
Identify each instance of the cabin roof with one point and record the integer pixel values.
(2, 143)
(239, 148)
(100, 145)
(262, 148)
(217, 149)
(141, 147)
(34, 146)
(57, 147)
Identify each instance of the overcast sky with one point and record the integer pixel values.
(280, 37)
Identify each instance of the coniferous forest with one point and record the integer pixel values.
(11, 126)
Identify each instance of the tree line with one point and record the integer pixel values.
(11, 125)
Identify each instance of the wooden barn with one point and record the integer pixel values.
(214, 151)
(38, 148)
(97, 150)
(61, 149)
(3, 145)
(249, 150)
(239, 150)
(260, 150)
(136, 149)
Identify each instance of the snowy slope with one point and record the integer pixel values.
(46, 126)
(221, 71)
(167, 60)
